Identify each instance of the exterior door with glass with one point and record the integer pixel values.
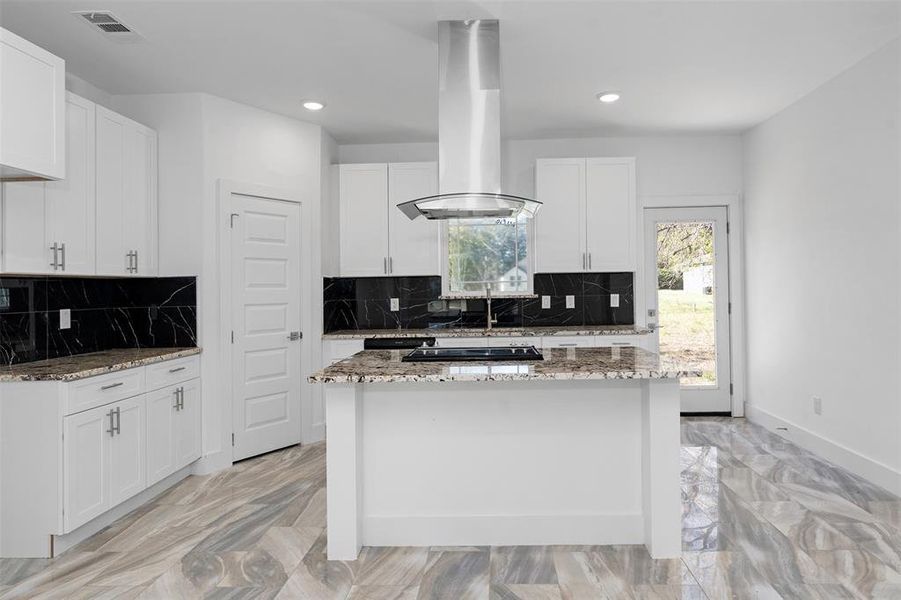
(687, 270)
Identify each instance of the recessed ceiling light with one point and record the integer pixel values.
(608, 97)
(313, 105)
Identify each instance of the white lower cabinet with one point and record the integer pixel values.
(173, 429)
(127, 449)
(86, 466)
(91, 445)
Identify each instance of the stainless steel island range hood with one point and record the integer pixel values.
(469, 131)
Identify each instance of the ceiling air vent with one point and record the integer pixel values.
(109, 25)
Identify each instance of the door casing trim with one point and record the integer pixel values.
(226, 189)
(734, 211)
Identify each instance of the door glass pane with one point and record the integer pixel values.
(685, 297)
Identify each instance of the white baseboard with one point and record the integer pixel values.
(503, 530)
(212, 463)
(61, 543)
(872, 470)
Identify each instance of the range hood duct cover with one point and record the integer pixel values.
(469, 128)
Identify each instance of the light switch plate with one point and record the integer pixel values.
(395, 304)
(545, 302)
(65, 318)
(570, 302)
(614, 300)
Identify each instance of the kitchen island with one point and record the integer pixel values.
(581, 447)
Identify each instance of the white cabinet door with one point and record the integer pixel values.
(32, 110)
(412, 245)
(611, 214)
(111, 204)
(25, 248)
(127, 460)
(560, 224)
(39, 215)
(126, 196)
(161, 416)
(363, 191)
(187, 425)
(85, 478)
(140, 202)
(70, 202)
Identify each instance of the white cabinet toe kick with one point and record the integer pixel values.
(76, 454)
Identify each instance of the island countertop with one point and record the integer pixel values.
(540, 331)
(385, 366)
(80, 366)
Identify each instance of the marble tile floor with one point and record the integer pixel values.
(762, 519)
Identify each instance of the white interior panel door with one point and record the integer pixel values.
(265, 245)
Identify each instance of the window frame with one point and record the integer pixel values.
(445, 266)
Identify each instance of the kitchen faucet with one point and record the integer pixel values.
(491, 321)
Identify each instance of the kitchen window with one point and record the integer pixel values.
(483, 253)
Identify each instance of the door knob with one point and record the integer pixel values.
(295, 335)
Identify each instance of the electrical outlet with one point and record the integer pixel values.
(545, 302)
(614, 300)
(817, 405)
(395, 304)
(570, 302)
(65, 318)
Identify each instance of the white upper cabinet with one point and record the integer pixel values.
(49, 227)
(611, 214)
(32, 110)
(412, 245)
(363, 191)
(589, 218)
(376, 238)
(126, 196)
(559, 224)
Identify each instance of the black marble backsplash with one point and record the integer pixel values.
(106, 313)
(363, 303)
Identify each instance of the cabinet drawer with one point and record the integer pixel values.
(606, 341)
(160, 375)
(103, 389)
(526, 340)
(568, 341)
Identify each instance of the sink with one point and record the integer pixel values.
(503, 353)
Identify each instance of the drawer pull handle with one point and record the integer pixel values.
(567, 345)
(622, 343)
(177, 369)
(111, 385)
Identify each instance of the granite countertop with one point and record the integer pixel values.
(79, 366)
(353, 334)
(385, 366)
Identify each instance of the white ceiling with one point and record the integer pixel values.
(682, 67)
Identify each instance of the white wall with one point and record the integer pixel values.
(204, 139)
(666, 166)
(823, 269)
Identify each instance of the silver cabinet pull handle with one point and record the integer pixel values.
(622, 343)
(62, 254)
(385, 265)
(112, 430)
(136, 261)
(181, 398)
(55, 263)
(583, 261)
(118, 420)
(568, 345)
(589, 260)
(177, 369)
(390, 264)
(111, 385)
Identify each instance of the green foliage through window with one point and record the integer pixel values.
(488, 252)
